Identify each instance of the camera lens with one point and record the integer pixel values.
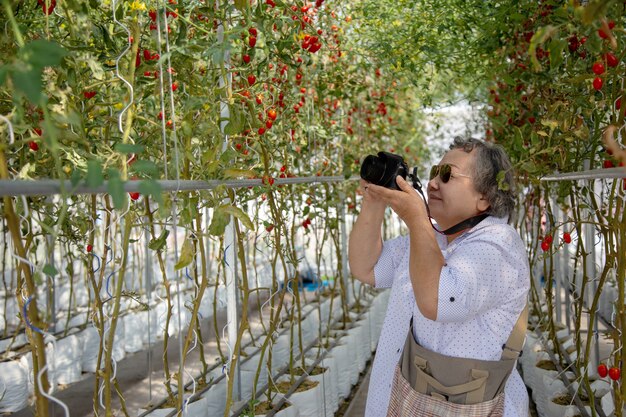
(383, 169)
(373, 169)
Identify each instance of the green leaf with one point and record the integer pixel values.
(238, 173)
(119, 13)
(128, 148)
(115, 188)
(42, 53)
(186, 255)
(152, 188)
(218, 222)
(502, 184)
(94, 174)
(50, 270)
(158, 243)
(539, 38)
(69, 269)
(148, 168)
(29, 83)
(4, 72)
(241, 4)
(557, 46)
(181, 39)
(595, 9)
(238, 213)
(75, 177)
(235, 123)
(217, 57)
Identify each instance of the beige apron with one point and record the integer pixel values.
(427, 383)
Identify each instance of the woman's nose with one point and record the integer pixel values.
(433, 184)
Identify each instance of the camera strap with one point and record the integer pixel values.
(465, 224)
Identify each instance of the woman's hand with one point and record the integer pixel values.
(406, 202)
(370, 199)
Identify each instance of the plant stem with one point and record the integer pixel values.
(117, 297)
(35, 338)
(16, 29)
(166, 367)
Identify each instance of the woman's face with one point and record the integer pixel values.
(457, 199)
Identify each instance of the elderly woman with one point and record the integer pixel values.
(456, 317)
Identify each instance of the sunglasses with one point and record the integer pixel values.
(444, 171)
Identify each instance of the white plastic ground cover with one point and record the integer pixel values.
(79, 313)
(248, 370)
(135, 326)
(91, 343)
(78, 353)
(216, 395)
(13, 386)
(10, 343)
(27, 362)
(344, 361)
(328, 382)
(9, 311)
(197, 408)
(67, 360)
(290, 411)
(309, 403)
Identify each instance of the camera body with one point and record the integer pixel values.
(382, 169)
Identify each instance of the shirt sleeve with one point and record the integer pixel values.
(483, 273)
(392, 254)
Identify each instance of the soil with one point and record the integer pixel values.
(318, 370)
(546, 364)
(304, 386)
(265, 407)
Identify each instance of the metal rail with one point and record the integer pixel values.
(14, 188)
(591, 174)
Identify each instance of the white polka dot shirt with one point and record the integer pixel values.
(482, 290)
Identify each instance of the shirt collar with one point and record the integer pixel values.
(488, 221)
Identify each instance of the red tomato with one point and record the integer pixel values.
(567, 238)
(597, 83)
(597, 68)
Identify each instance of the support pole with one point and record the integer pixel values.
(341, 211)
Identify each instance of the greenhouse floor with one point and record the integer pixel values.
(142, 387)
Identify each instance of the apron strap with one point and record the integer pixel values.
(512, 349)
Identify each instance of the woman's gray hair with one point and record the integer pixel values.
(492, 174)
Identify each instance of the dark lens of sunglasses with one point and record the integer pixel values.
(433, 172)
(444, 173)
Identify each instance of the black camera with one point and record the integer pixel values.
(383, 169)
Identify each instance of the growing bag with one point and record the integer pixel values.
(427, 383)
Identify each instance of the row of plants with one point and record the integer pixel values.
(182, 90)
(555, 103)
(98, 292)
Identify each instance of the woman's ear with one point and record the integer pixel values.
(482, 204)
